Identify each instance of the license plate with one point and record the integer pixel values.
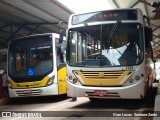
(100, 92)
(27, 91)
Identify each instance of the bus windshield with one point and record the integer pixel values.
(100, 45)
(30, 57)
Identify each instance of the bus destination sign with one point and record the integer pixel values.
(104, 16)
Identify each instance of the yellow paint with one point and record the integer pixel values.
(102, 78)
(34, 84)
(62, 89)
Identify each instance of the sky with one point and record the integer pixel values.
(80, 6)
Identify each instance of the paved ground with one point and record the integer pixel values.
(62, 108)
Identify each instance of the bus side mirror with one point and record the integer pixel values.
(148, 34)
(63, 47)
(61, 36)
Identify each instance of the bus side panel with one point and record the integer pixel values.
(62, 79)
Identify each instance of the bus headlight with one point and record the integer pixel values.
(72, 80)
(137, 78)
(50, 81)
(70, 77)
(131, 80)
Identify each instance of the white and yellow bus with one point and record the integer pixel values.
(36, 66)
(109, 55)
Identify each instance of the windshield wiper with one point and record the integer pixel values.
(89, 31)
(112, 32)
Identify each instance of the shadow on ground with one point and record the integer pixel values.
(37, 99)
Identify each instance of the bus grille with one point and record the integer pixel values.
(21, 93)
(102, 78)
(103, 75)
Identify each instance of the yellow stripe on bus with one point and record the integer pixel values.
(34, 84)
(62, 89)
(104, 78)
